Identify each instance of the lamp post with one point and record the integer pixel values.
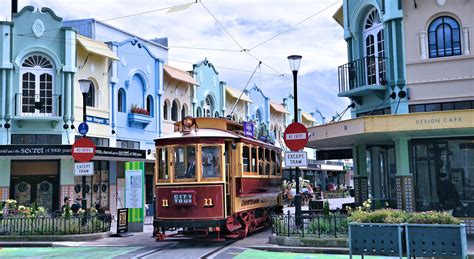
(84, 84)
(295, 65)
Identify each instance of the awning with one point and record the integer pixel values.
(339, 16)
(96, 47)
(382, 129)
(236, 94)
(278, 107)
(180, 75)
(308, 117)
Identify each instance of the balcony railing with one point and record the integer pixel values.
(362, 72)
(38, 105)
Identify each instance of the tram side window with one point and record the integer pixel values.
(267, 162)
(211, 161)
(278, 163)
(245, 159)
(163, 164)
(274, 167)
(261, 165)
(184, 162)
(254, 160)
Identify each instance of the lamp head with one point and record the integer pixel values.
(294, 62)
(84, 84)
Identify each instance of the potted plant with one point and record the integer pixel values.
(435, 233)
(138, 110)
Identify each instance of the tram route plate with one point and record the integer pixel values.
(184, 198)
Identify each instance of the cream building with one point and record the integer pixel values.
(239, 109)
(278, 115)
(179, 90)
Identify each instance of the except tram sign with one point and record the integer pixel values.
(83, 150)
(296, 136)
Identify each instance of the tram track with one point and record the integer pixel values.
(226, 244)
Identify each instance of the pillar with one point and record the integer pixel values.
(361, 189)
(113, 188)
(465, 33)
(422, 40)
(5, 173)
(66, 179)
(403, 177)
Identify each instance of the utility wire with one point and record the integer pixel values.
(222, 26)
(242, 92)
(293, 26)
(198, 48)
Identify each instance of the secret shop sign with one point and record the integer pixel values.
(65, 150)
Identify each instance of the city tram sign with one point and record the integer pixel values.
(83, 150)
(296, 136)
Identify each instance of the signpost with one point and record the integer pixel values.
(83, 150)
(294, 159)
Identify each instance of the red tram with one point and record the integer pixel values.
(212, 181)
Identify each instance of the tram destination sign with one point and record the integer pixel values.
(294, 159)
(184, 198)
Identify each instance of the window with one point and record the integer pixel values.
(448, 106)
(278, 163)
(149, 105)
(216, 115)
(208, 106)
(100, 142)
(261, 163)
(254, 160)
(163, 164)
(121, 100)
(174, 111)
(211, 161)
(267, 162)
(199, 112)
(184, 158)
(165, 110)
(37, 76)
(35, 139)
(245, 159)
(183, 112)
(90, 97)
(374, 48)
(128, 144)
(444, 37)
(273, 165)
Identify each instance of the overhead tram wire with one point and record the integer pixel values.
(198, 48)
(293, 26)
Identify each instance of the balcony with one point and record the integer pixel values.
(37, 107)
(362, 76)
(137, 120)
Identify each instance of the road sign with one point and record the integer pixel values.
(294, 159)
(83, 150)
(296, 136)
(83, 128)
(84, 169)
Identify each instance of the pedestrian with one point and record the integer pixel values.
(77, 205)
(448, 195)
(67, 204)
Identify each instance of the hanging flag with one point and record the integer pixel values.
(178, 8)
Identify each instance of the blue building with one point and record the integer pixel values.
(209, 98)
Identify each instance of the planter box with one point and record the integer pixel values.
(436, 240)
(376, 239)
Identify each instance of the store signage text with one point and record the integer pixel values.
(438, 120)
(34, 150)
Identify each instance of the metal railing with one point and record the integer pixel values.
(362, 72)
(312, 225)
(49, 225)
(38, 105)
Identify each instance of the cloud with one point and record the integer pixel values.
(319, 40)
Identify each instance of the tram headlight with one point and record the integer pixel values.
(188, 121)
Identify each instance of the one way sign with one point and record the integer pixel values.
(294, 159)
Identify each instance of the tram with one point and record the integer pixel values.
(213, 181)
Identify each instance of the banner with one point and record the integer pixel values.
(135, 191)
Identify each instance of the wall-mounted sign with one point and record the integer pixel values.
(97, 120)
(84, 169)
(248, 129)
(294, 159)
(83, 128)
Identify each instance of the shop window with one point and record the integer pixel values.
(245, 159)
(163, 164)
(444, 37)
(184, 162)
(211, 161)
(96, 186)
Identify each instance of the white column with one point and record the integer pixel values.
(465, 33)
(422, 40)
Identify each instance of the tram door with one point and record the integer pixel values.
(228, 181)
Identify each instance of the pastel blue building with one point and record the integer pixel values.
(209, 97)
(37, 66)
(259, 109)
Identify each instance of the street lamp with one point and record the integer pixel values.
(84, 84)
(295, 61)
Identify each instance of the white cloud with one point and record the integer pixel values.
(319, 40)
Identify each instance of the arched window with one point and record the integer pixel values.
(199, 112)
(37, 77)
(121, 98)
(174, 111)
(374, 48)
(90, 97)
(259, 117)
(184, 111)
(208, 106)
(444, 37)
(149, 105)
(165, 110)
(216, 115)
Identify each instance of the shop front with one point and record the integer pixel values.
(418, 161)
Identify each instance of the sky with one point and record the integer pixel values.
(234, 36)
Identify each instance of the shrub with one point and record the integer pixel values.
(391, 216)
(433, 217)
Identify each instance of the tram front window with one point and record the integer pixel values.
(184, 162)
(211, 165)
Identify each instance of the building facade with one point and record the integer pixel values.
(411, 81)
(209, 100)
